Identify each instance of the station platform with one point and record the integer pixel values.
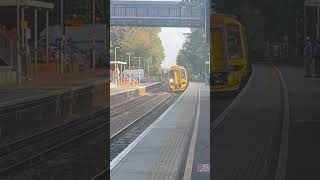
(168, 148)
(35, 105)
(247, 136)
(201, 152)
(125, 93)
(304, 132)
(127, 88)
(32, 88)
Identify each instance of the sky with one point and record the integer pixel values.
(172, 41)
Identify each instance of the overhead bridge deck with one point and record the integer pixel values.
(156, 14)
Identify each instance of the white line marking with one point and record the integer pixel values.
(188, 170)
(283, 153)
(117, 159)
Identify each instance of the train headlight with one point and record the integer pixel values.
(171, 80)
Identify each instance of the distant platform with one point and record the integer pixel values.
(33, 88)
(127, 88)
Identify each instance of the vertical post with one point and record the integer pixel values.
(47, 34)
(129, 68)
(205, 67)
(115, 65)
(305, 22)
(94, 34)
(36, 43)
(129, 71)
(318, 22)
(297, 21)
(121, 71)
(11, 53)
(23, 30)
(18, 44)
(139, 71)
(144, 68)
(27, 53)
(148, 69)
(209, 63)
(62, 39)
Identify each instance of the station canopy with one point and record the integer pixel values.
(28, 3)
(314, 3)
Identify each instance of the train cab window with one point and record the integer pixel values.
(234, 42)
(218, 44)
(182, 75)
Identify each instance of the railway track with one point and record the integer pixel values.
(27, 151)
(101, 176)
(46, 134)
(123, 138)
(126, 135)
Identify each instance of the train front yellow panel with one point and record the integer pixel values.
(178, 78)
(229, 53)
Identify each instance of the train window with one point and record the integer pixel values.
(182, 75)
(218, 45)
(234, 42)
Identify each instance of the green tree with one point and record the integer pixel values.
(194, 52)
(143, 42)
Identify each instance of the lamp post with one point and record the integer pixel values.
(18, 44)
(148, 69)
(115, 65)
(129, 68)
(209, 63)
(139, 67)
(62, 38)
(94, 35)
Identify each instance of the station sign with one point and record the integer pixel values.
(136, 73)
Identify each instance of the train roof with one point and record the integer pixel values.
(224, 19)
(177, 67)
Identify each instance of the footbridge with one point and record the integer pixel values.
(159, 13)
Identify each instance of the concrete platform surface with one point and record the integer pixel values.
(246, 139)
(123, 89)
(34, 88)
(201, 155)
(162, 153)
(304, 133)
